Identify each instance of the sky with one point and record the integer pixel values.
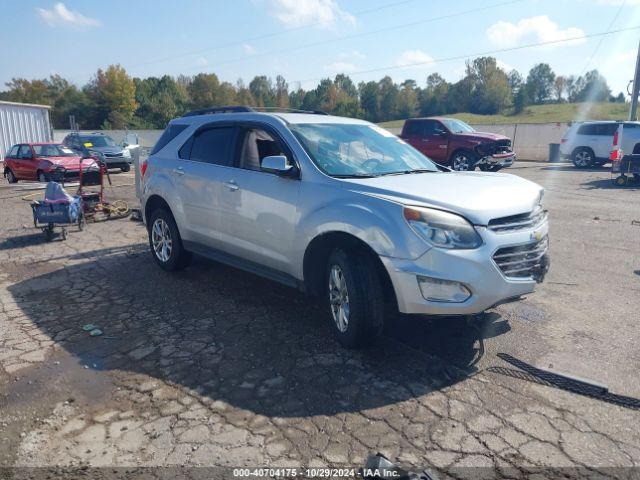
(307, 40)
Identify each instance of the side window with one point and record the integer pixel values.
(608, 129)
(171, 132)
(414, 128)
(213, 145)
(256, 145)
(14, 151)
(24, 152)
(185, 150)
(586, 130)
(431, 128)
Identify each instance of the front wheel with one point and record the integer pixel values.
(583, 158)
(11, 178)
(165, 242)
(463, 161)
(125, 168)
(354, 297)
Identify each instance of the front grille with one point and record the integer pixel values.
(494, 147)
(524, 261)
(114, 155)
(521, 221)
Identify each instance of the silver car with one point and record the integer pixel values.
(341, 209)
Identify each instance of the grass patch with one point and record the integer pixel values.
(562, 112)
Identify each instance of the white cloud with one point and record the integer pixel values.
(202, 62)
(248, 49)
(60, 15)
(296, 13)
(531, 30)
(413, 58)
(340, 67)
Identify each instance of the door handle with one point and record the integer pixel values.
(178, 171)
(232, 185)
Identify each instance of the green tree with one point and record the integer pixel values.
(263, 92)
(370, 100)
(388, 92)
(113, 93)
(408, 99)
(159, 100)
(433, 98)
(592, 88)
(203, 90)
(540, 83)
(490, 89)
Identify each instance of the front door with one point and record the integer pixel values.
(25, 164)
(259, 207)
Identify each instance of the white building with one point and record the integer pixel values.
(23, 123)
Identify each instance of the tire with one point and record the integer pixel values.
(11, 178)
(42, 177)
(126, 168)
(463, 160)
(583, 157)
(352, 281)
(168, 251)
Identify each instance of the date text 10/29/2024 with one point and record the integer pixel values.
(313, 473)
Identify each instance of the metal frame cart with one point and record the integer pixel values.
(626, 170)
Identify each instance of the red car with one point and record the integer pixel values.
(451, 142)
(44, 162)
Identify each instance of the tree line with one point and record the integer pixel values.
(113, 99)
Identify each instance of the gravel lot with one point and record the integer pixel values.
(216, 367)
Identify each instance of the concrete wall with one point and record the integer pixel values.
(530, 140)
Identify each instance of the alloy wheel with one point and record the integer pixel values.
(583, 158)
(339, 298)
(461, 162)
(161, 240)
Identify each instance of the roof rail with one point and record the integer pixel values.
(246, 108)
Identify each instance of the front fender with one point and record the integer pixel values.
(377, 222)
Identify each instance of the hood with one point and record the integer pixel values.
(115, 149)
(480, 136)
(477, 196)
(70, 163)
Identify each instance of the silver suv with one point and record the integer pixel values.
(341, 209)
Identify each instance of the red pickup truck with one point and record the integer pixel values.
(453, 143)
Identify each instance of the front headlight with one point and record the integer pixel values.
(126, 153)
(442, 229)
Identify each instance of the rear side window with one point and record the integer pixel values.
(413, 128)
(169, 134)
(603, 129)
(213, 145)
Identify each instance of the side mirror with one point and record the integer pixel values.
(277, 164)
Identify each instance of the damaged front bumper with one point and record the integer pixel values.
(498, 160)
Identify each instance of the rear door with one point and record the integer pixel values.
(604, 139)
(11, 158)
(203, 165)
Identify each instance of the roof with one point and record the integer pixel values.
(291, 118)
(18, 104)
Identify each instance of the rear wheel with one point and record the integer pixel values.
(354, 298)
(11, 178)
(165, 242)
(583, 157)
(463, 161)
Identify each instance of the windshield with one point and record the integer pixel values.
(98, 141)
(457, 126)
(345, 150)
(53, 151)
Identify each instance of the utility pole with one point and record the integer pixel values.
(636, 89)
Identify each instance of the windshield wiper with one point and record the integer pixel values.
(357, 175)
(417, 170)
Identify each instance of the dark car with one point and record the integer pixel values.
(451, 142)
(112, 154)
